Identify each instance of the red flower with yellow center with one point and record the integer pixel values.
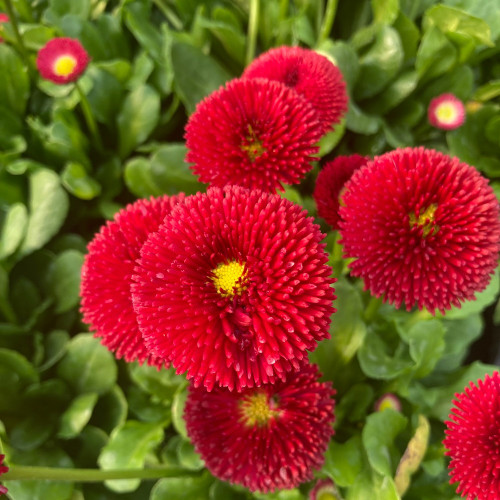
(422, 227)
(107, 272)
(473, 440)
(446, 112)
(330, 185)
(311, 75)
(269, 438)
(252, 133)
(234, 288)
(62, 60)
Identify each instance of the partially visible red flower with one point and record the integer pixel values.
(3, 470)
(446, 112)
(324, 489)
(234, 288)
(388, 401)
(472, 440)
(264, 439)
(330, 183)
(107, 272)
(62, 60)
(308, 73)
(253, 133)
(423, 228)
(4, 18)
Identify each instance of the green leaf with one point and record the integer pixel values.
(77, 416)
(180, 488)
(55, 344)
(195, 74)
(385, 11)
(75, 179)
(376, 360)
(160, 383)
(48, 206)
(171, 173)
(178, 411)
(31, 431)
(128, 448)
(88, 366)
(188, 458)
(110, 410)
(36, 489)
(138, 118)
(409, 34)
(373, 486)
(14, 83)
(343, 462)
(13, 229)
(105, 96)
(378, 438)
(455, 21)
(331, 139)
(64, 280)
(139, 179)
(426, 341)
(413, 455)
(380, 64)
(60, 8)
(354, 404)
(436, 54)
(396, 92)
(360, 122)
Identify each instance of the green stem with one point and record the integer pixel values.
(253, 26)
(372, 308)
(169, 14)
(329, 17)
(29, 473)
(13, 21)
(89, 118)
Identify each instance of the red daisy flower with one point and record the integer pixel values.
(269, 438)
(330, 183)
(234, 288)
(62, 60)
(308, 73)
(446, 112)
(4, 18)
(473, 440)
(324, 489)
(253, 133)
(107, 273)
(423, 227)
(3, 470)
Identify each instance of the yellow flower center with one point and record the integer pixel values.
(326, 495)
(387, 404)
(64, 65)
(252, 145)
(426, 220)
(255, 410)
(446, 112)
(229, 278)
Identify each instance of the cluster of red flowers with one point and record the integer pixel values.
(232, 286)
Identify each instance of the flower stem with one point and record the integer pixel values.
(329, 17)
(19, 39)
(30, 473)
(372, 308)
(253, 25)
(89, 118)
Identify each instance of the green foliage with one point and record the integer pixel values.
(65, 401)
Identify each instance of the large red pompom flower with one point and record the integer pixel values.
(264, 439)
(3, 470)
(423, 227)
(473, 440)
(234, 288)
(253, 133)
(308, 73)
(62, 60)
(329, 185)
(107, 272)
